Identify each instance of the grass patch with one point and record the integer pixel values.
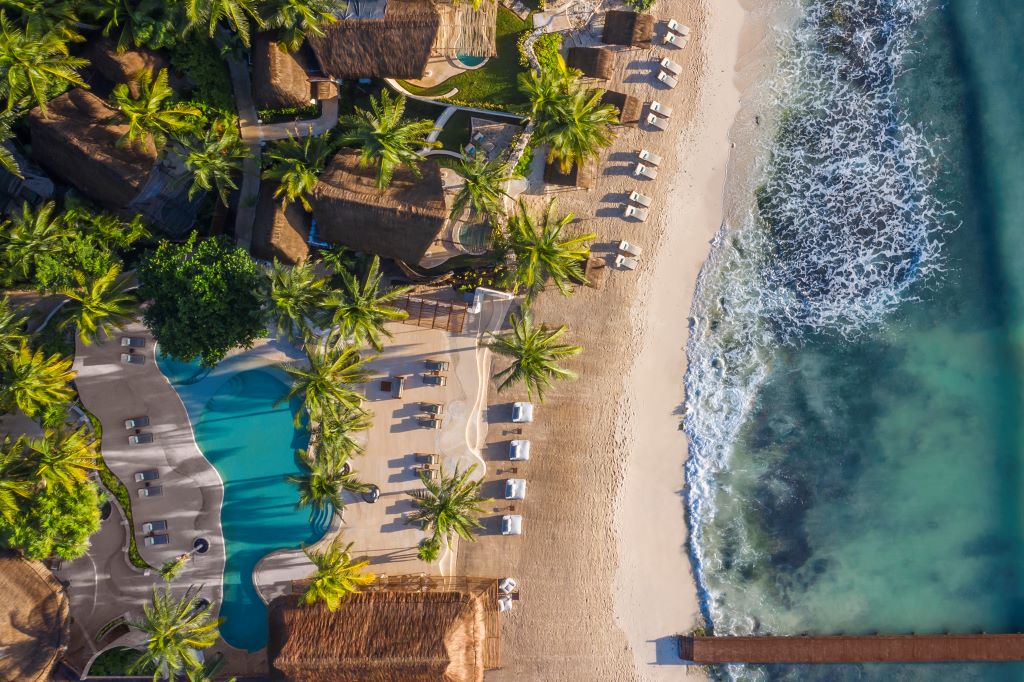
(289, 114)
(455, 134)
(118, 662)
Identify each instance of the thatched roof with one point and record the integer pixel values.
(78, 143)
(628, 28)
(467, 31)
(379, 636)
(279, 232)
(399, 222)
(395, 46)
(279, 77)
(629, 107)
(34, 622)
(595, 62)
(584, 178)
(123, 67)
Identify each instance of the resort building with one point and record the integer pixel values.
(593, 62)
(36, 622)
(280, 231)
(628, 28)
(280, 78)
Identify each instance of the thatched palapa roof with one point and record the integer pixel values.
(77, 141)
(467, 31)
(380, 636)
(395, 46)
(595, 62)
(584, 178)
(279, 232)
(35, 622)
(628, 28)
(279, 77)
(123, 67)
(399, 222)
(629, 107)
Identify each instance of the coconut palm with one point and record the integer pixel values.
(541, 253)
(296, 163)
(337, 429)
(7, 160)
(63, 457)
(360, 311)
(175, 630)
(483, 191)
(98, 305)
(33, 382)
(328, 384)
(12, 333)
(172, 567)
(296, 292)
(237, 13)
(385, 138)
(535, 352)
(547, 87)
(208, 672)
(15, 484)
(47, 16)
(150, 23)
(296, 19)
(337, 575)
(449, 505)
(151, 115)
(325, 479)
(31, 235)
(214, 158)
(34, 64)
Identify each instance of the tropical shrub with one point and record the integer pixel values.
(54, 522)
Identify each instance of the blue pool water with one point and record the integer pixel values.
(471, 61)
(252, 444)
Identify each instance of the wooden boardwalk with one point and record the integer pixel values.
(852, 649)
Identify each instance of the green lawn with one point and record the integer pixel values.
(493, 86)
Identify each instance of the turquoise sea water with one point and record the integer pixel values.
(855, 392)
(252, 444)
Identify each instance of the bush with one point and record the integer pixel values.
(429, 550)
(288, 113)
(204, 65)
(547, 48)
(117, 662)
(54, 521)
(640, 5)
(522, 168)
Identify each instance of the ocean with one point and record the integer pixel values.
(854, 392)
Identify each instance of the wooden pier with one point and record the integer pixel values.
(852, 649)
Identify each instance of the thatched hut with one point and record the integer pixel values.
(35, 625)
(77, 141)
(463, 30)
(594, 62)
(280, 232)
(582, 177)
(279, 78)
(123, 67)
(401, 221)
(629, 107)
(628, 28)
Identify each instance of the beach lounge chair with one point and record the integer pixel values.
(668, 79)
(133, 359)
(136, 423)
(625, 262)
(511, 524)
(515, 489)
(152, 491)
(435, 409)
(649, 156)
(133, 342)
(660, 109)
(627, 249)
(646, 171)
(435, 380)
(641, 199)
(422, 458)
(656, 122)
(428, 422)
(437, 365)
(522, 413)
(519, 450)
(508, 585)
(140, 439)
(670, 66)
(677, 28)
(151, 526)
(157, 540)
(676, 41)
(635, 212)
(504, 604)
(147, 475)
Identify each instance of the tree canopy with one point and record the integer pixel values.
(54, 521)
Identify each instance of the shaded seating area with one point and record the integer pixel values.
(628, 28)
(35, 623)
(279, 77)
(593, 62)
(629, 107)
(584, 177)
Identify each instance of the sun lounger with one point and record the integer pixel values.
(656, 122)
(649, 156)
(437, 365)
(515, 489)
(508, 585)
(428, 422)
(157, 540)
(519, 450)
(435, 379)
(136, 423)
(625, 262)
(676, 27)
(422, 458)
(676, 41)
(133, 359)
(504, 603)
(151, 526)
(627, 249)
(667, 78)
(147, 475)
(634, 212)
(641, 199)
(512, 524)
(133, 342)
(522, 413)
(661, 110)
(670, 66)
(646, 171)
(436, 409)
(152, 491)
(140, 439)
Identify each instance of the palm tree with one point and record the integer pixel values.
(449, 505)
(151, 115)
(62, 457)
(541, 253)
(484, 189)
(386, 139)
(296, 292)
(208, 671)
(175, 629)
(535, 352)
(361, 310)
(11, 329)
(31, 235)
(48, 16)
(337, 575)
(236, 12)
(15, 484)
(336, 431)
(296, 19)
(329, 382)
(99, 305)
(324, 481)
(7, 160)
(34, 64)
(546, 88)
(140, 22)
(33, 382)
(214, 158)
(296, 163)
(172, 567)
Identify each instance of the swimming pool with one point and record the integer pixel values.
(470, 61)
(252, 444)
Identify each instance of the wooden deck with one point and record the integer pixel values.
(435, 314)
(852, 649)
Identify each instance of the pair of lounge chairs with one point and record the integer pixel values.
(155, 532)
(676, 34)
(658, 116)
(627, 255)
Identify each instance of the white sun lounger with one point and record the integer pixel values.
(661, 110)
(634, 212)
(676, 27)
(646, 171)
(657, 122)
(641, 199)
(650, 157)
(668, 79)
(671, 66)
(675, 40)
(625, 262)
(627, 249)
